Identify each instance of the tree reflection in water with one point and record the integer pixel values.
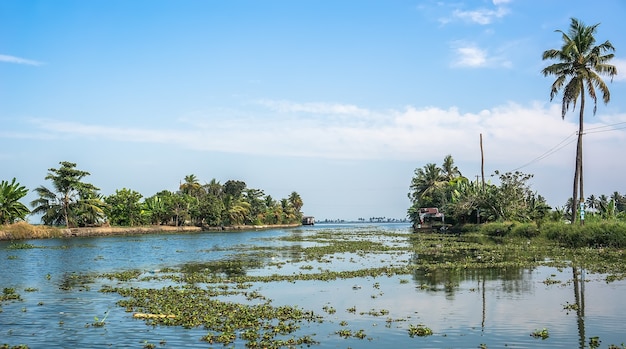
(579, 296)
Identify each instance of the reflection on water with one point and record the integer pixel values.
(511, 281)
(465, 307)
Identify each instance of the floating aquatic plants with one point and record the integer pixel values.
(9, 294)
(20, 246)
(100, 323)
(374, 312)
(148, 345)
(419, 330)
(594, 342)
(542, 333)
(329, 309)
(73, 280)
(126, 275)
(347, 333)
(570, 306)
(551, 281)
(259, 325)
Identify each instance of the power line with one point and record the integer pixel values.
(606, 126)
(551, 151)
(611, 129)
(562, 144)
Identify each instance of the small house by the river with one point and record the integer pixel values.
(308, 220)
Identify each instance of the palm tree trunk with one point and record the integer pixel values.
(575, 191)
(66, 204)
(579, 148)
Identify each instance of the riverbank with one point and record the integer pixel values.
(24, 231)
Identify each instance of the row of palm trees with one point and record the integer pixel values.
(72, 202)
(606, 206)
(242, 205)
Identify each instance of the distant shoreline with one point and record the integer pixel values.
(25, 231)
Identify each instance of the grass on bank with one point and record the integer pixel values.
(592, 234)
(23, 230)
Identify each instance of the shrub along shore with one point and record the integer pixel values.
(24, 231)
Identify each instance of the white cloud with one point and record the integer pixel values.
(480, 16)
(18, 60)
(514, 134)
(470, 56)
(317, 108)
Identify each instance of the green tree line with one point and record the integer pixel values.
(512, 199)
(71, 201)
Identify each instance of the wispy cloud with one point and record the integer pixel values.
(18, 60)
(467, 55)
(481, 16)
(515, 133)
(470, 56)
(501, 2)
(317, 108)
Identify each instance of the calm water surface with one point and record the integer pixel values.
(494, 308)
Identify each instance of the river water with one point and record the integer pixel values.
(488, 308)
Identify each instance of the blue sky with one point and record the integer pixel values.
(338, 100)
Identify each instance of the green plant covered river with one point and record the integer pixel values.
(324, 286)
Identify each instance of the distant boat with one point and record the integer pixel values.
(308, 220)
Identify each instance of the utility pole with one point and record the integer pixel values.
(482, 160)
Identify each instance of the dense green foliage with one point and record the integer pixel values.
(124, 207)
(464, 201)
(11, 209)
(72, 202)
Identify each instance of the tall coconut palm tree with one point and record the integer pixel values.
(619, 200)
(603, 202)
(296, 201)
(580, 65)
(214, 187)
(593, 202)
(426, 182)
(449, 170)
(191, 186)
